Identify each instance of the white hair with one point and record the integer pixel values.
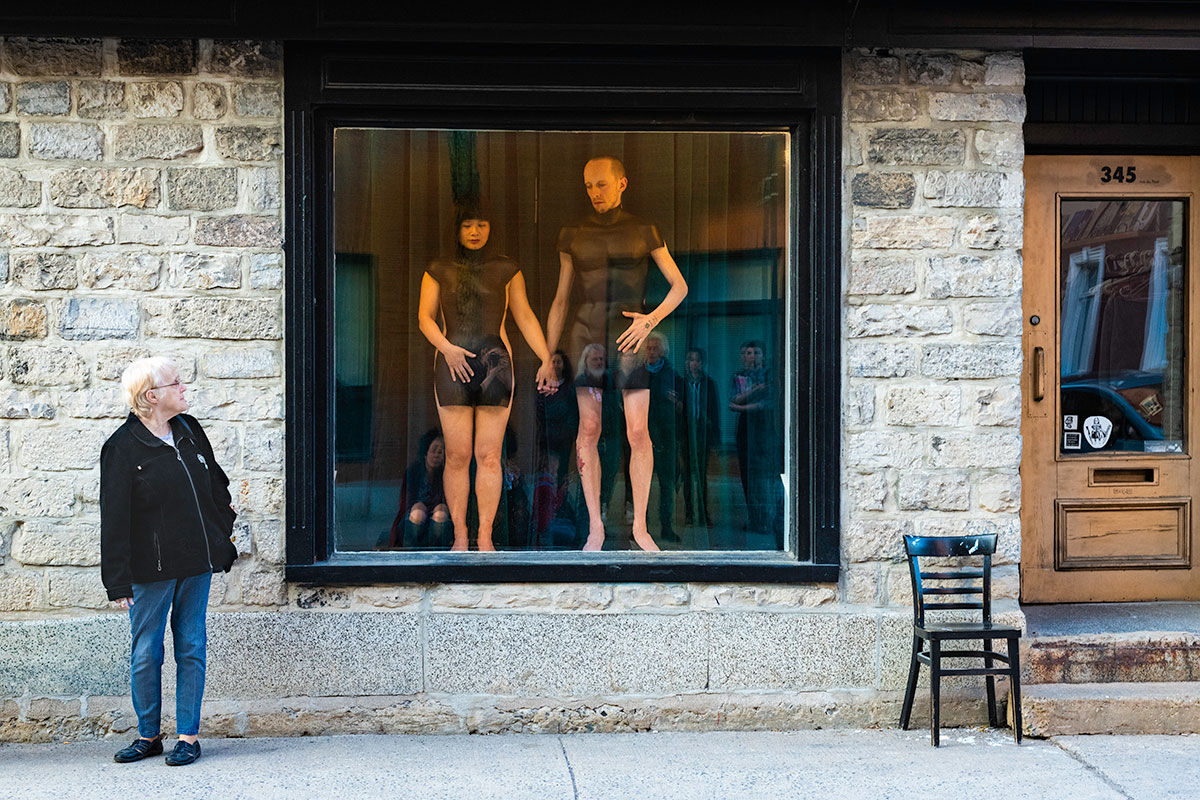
(143, 375)
(582, 369)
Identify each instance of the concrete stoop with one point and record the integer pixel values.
(1154, 656)
(1064, 709)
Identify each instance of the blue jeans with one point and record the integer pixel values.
(187, 600)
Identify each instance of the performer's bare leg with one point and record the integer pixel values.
(458, 432)
(586, 441)
(641, 461)
(490, 422)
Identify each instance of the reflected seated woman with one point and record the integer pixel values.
(423, 519)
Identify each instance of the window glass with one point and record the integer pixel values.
(649, 268)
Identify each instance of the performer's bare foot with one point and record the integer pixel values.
(484, 543)
(595, 540)
(460, 544)
(644, 540)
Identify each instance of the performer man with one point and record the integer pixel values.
(610, 252)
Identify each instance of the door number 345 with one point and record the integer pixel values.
(1118, 174)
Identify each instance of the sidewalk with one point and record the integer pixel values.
(860, 764)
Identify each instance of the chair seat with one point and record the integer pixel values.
(966, 630)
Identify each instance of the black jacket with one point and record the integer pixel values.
(164, 511)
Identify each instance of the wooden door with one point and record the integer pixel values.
(1108, 388)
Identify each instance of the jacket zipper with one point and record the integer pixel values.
(196, 497)
(157, 551)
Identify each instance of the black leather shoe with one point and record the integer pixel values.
(141, 748)
(183, 753)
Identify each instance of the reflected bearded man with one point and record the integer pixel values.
(608, 254)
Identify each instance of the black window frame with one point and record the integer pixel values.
(793, 89)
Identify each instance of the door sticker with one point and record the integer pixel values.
(1070, 422)
(1071, 441)
(1097, 430)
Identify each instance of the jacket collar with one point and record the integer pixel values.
(143, 434)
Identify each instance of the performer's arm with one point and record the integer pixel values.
(427, 309)
(531, 329)
(642, 324)
(562, 298)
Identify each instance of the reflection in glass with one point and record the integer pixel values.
(716, 201)
(1122, 294)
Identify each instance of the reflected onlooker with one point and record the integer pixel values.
(516, 500)
(701, 434)
(557, 420)
(752, 395)
(665, 408)
(424, 517)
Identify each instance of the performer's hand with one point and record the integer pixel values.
(456, 359)
(631, 340)
(545, 374)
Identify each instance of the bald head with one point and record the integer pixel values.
(604, 180)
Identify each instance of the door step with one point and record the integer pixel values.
(1154, 656)
(1169, 707)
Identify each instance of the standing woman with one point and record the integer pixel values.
(472, 369)
(165, 522)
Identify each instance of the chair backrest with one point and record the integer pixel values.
(970, 582)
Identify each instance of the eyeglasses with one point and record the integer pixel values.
(168, 385)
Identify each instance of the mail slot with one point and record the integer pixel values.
(1118, 476)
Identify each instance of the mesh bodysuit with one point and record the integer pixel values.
(473, 305)
(610, 254)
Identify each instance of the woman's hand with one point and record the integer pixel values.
(456, 359)
(631, 340)
(545, 375)
(125, 603)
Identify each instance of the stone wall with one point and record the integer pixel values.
(932, 315)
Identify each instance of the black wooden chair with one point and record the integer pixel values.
(968, 582)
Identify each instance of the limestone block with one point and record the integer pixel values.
(934, 491)
(399, 597)
(248, 143)
(971, 361)
(930, 70)
(877, 105)
(247, 58)
(974, 189)
(258, 495)
(883, 189)
(88, 187)
(111, 361)
(206, 270)
(59, 230)
(993, 319)
(259, 362)
(1006, 528)
(917, 146)
(156, 56)
(44, 98)
(565, 654)
(162, 141)
(82, 141)
(867, 491)
(971, 72)
(37, 497)
(55, 449)
(214, 318)
(266, 271)
(26, 405)
(19, 591)
(75, 656)
(897, 320)
(238, 405)
(974, 276)
(993, 232)
(883, 449)
(911, 232)
(976, 450)
(264, 588)
(32, 365)
(797, 651)
(872, 360)
(3, 267)
(209, 101)
(18, 192)
(7, 528)
(263, 450)
(241, 538)
(650, 596)
(310, 597)
(22, 319)
(1000, 492)
(5, 97)
(152, 229)
(998, 405)
(108, 270)
(882, 274)
(101, 100)
(852, 149)
(861, 584)
(39, 271)
(202, 188)
(53, 56)
(99, 318)
(1000, 148)
(860, 405)
(104, 403)
(10, 139)
(923, 405)
(44, 543)
(263, 188)
(519, 597)
(156, 99)
(269, 548)
(955, 107)
(239, 230)
(876, 70)
(225, 444)
(1004, 69)
(257, 100)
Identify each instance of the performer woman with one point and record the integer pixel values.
(473, 374)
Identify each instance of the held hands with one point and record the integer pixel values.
(636, 333)
(545, 374)
(456, 359)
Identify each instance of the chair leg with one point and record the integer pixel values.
(993, 716)
(1014, 694)
(914, 669)
(935, 680)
